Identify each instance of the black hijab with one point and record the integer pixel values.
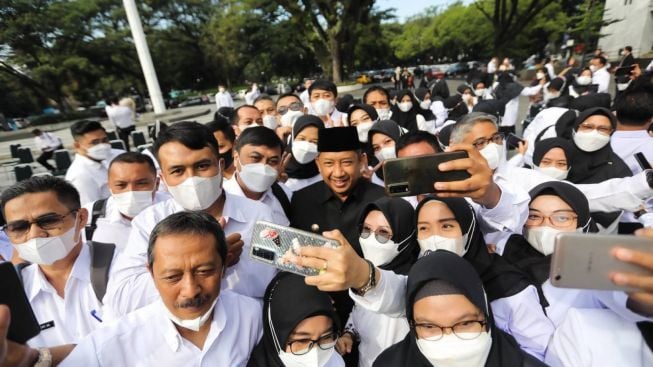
(401, 217)
(448, 267)
(455, 107)
(519, 252)
(295, 169)
(543, 146)
(499, 277)
(407, 120)
(287, 302)
(386, 127)
(507, 88)
(365, 107)
(420, 93)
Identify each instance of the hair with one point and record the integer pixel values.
(376, 88)
(66, 193)
(601, 59)
(634, 106)
(264, 97)
(190, 134)
(628, 48)
(191, 223)
(258, 136)
(134, 157)
(322, 84)
(463, 126)
(286, 95)
(37, 132)
(82, 127)
(235, 118)
(415, 137)
(224, 126)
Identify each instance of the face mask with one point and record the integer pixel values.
(584, 80)
(131, 203)
(197, 193)
(479, 92)
(553, 172)
(385, 154)
(542, 238)
(384, 113)
(270, 122)
(593, 68)
(47, 250)
(590, 141)
(425, 104)
(451, 351)
(378, 253)
(192, 324)
(99, 152)
(316, 357)
(258, 177)
(405, 106)
(323, 107)
(435, 242)
(622, 86)
(492, 153)
(221, 90)
(540, 76)
(304, 151)
(363, 128)
(288, 119)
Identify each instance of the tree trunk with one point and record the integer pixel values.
(336, 58)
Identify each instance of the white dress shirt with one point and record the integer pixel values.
(114, 227)
(440, 112)
(121, 116)
(90, 177)
(147, 337)
(626, 143)
(278, 215)
(223, 99)
(491, 67)
(602, 78)
(512, 107)
(296, 184)
(6, 249)
(65, 320)
(377, 333)
(46, 142)
(597, 338)
(305, 98)
(550, 70)
(251, 96)
(133, 287)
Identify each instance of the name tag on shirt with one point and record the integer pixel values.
(47, 325)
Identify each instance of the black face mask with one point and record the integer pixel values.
(228, 158)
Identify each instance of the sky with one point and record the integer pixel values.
(408, 8)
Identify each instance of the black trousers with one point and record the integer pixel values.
(123, 134)
(43, 159)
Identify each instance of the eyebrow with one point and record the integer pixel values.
(439, 220)
(306, 334)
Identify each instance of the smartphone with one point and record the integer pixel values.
(624, 70)
(513, 141)
(642, 161)
(583, 260)
(412, 176)
(274, 244)
(24, 325)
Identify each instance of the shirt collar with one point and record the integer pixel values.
(174, 339)
(80, 271)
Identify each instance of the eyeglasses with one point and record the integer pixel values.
(303, 346)
(585, 128)
(560, 219)
(483, 142)
(295, 106)
(465, 330)
(381, 235)
(18, 229)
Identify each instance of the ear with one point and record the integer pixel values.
(83, 217)
(76, 144)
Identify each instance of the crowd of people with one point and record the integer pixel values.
(143, 258)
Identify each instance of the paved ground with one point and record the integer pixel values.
(202, 114)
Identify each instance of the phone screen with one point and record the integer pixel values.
(23, 322)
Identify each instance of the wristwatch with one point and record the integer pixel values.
(45, 358)
(371, 282)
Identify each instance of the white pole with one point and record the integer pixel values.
(144, 56)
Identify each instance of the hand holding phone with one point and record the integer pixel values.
(513, 141)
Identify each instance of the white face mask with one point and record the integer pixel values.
(379, 253)
(584, 80)
(425, 104)
(479, 92)
(197, 193)
(192, 324)
(593, 68)
(99, 152)
(542, 238)
(553, 172)
(304, 151)
(590, 141)
(492, 154)
(405, 106)
(451, 351)
(221, 90)
(270, 122)
(384, 113)
(385, 154)
(288, 119)
(47, 250)
(363, 128)
(622, 86)
(323, 107)
(540, 76)
(316, 357)
(435, 242)
(131, 203)
(258, 177)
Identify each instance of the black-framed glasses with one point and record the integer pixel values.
(19, 228)
(295, 106)
(558, 219)
(483, 142)
(382, 235)
(465, 330)
(303, 346)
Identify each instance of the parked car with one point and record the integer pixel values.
(458, 69)
(194, 101)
